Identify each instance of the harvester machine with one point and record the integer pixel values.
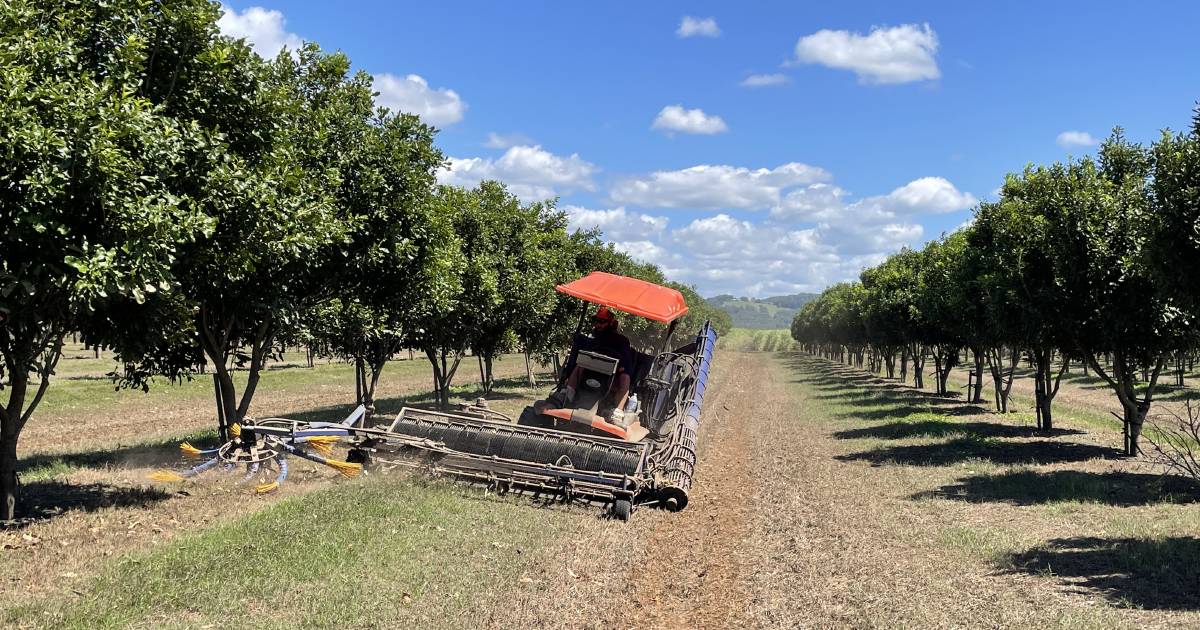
(618, 430)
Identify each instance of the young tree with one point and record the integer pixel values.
(88, 199)
(280, 132)
(935, 301)
(1173, 252)
(968, 305)
(515, 246)
(1022, 260)
(892, 310)
(1119, 308)
(445, 333)
(387, 273)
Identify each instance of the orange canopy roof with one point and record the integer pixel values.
(633, 296)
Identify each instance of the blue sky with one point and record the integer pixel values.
(866, 127)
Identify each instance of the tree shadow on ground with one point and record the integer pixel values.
(45, 500)
(1162, 574)
(1034, 488)
(963, 449)
(84, 377)
(940, 428)
(151, 454)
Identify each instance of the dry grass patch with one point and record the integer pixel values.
(965, 516)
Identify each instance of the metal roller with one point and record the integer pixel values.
(515, 442)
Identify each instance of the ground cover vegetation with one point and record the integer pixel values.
(915, 510)
(1088, 264)
(170, 195)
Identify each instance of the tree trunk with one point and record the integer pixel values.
(1002, 377)
(944, 373)
(1134, 418)
(227, 407)
(443, 374)
(487, 371)
(937, 371)
(1134, 410)
(214, 341)
(259, 347)
(9, 489)
(918, 361)
(1045, 418)
(904, 365)
(369, 386)
(1047, 385)
(360, 382)
(529, 371)
(977, 395)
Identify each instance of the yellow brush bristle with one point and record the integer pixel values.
(347, 469)
(188, 450)
(322, 444)
(266, 487)
(235, 430)
(165, 475)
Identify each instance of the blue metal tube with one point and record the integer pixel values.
(196, 470)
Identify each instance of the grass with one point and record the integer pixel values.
(71, 393)
(381, 553)
(757, 340)
(823, 497)
(1063, 509)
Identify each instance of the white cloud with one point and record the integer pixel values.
(715, 187)
(646, 251)
(616, 224)
(504, 141)
(724, 254)
(1071, 139)
(929, 195)
(817, 202)
(698, 27)
(816, 233)
(900, 54)
(764, 80)
(723, 237)
(262, 28)
(674, 118)
(530, 172)
(412, 95)
(813, 237)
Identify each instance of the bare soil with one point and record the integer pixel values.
(889, 509)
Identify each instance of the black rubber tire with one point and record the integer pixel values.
(359, 456)
(530, 418)
(621, 509)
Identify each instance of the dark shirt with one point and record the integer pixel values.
(614, 344)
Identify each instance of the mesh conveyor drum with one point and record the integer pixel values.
(515, 442)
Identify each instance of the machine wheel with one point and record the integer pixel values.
(530, 418)
(621, 509)
(359, 456)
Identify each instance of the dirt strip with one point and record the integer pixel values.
(660, 570)
(695, 568)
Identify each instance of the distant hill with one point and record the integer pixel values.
(772, 312)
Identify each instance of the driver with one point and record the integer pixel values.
(607, 341)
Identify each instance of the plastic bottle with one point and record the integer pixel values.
(631, 405)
